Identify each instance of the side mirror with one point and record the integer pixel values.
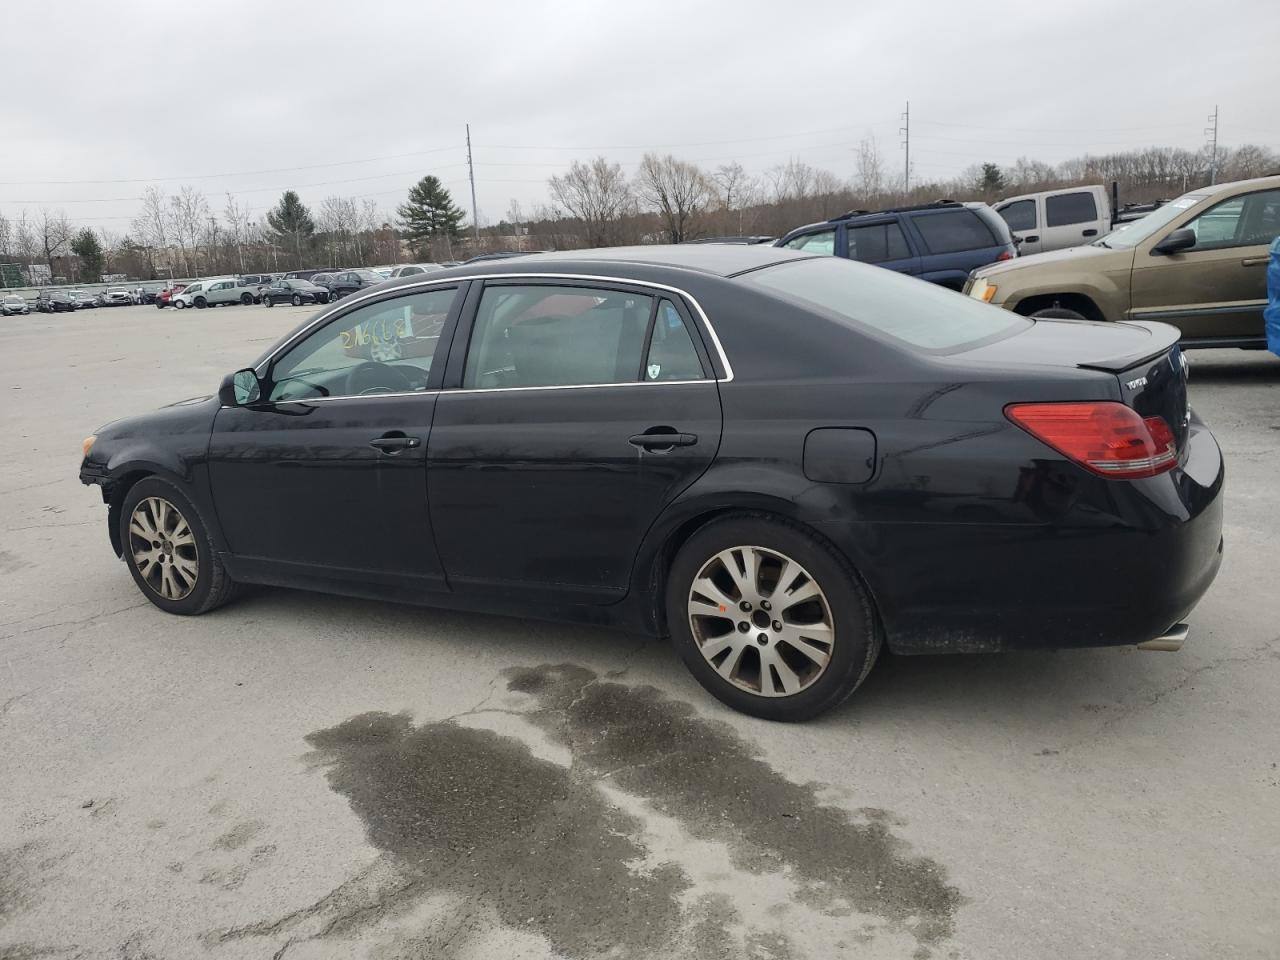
(1176, 242)
(240, 389)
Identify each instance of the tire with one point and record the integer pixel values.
(837, 624)
(297, 300)
(201, 303)
(1057, 313)
(168, 580)
(269, 301)
(246, 299)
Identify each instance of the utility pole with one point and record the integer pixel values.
(1212, 133)
(471, 171)
(905, 132)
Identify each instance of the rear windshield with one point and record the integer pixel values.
(953, 231)
(924, 316)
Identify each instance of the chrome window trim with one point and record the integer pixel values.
(456, 391)
(448, 281)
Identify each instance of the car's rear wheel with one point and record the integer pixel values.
(246, 299)
(297, 300)
(169, 551)
(201, 303)
(771, 620)
(269, 301)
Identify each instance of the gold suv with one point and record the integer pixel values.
(1198, 262)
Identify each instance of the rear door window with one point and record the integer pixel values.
(878, 242)
(950, 231)
(1067, 208)
(671, 354)
(1020, 215)
(556, 336)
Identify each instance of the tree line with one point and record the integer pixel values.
(592, 203)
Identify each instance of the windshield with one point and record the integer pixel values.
(927, 317)
(1132, 234)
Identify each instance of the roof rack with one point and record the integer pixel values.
(932, 205)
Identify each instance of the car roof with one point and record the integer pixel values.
(719, 260)
(1213, 190)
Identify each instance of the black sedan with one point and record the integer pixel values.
(347, 282)
(296, 292)
(781, 461)
(55, 301)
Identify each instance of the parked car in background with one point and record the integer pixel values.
(165, 297)
(117, 298)
(224, 291)
(348, 282)
(294, 291)
(323, 280)
(414, 269)
(308, 273)
(84, 300)
(385, 270)
(783, 462)
(14, 304)
(1198, 262)
(940, 242)
(1070, 217)
(187, 296)
(54, 301)
(254, 282)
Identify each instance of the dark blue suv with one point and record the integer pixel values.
(939, 242)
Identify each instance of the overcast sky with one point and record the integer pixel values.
(363, 99)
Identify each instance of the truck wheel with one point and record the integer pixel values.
(246, 298)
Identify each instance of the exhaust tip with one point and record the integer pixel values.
(1171, 641)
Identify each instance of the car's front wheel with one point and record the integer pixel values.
(771, 620)
(269, 301)
(169, 551)
(180, 304)
(297, 300)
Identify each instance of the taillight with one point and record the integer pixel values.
(1005, 255)
(1106, 437)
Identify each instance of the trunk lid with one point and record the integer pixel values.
(1144, 357)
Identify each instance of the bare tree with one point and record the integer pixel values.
(53, 232)
(597, 194)
(188, 217)
(152, 226)
(679, 191)
(24, 239)
(237, 216)
(1249, 161)
(869, 171)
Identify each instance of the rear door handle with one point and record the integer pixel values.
(394, 445)
(1254, 261)
(659, 441)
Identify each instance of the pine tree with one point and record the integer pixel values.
(85, 245)
(291, 222)
(429, 214)
(991, 180)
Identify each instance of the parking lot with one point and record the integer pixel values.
(310, 776)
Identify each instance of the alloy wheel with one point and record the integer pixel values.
(163, 548)
(761, 621)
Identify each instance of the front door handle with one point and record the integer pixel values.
(1254, 261)
(1089, 233)
(663, 440)
(393, 444)
(1034, 238)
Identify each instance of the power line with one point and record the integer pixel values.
(1213, 156)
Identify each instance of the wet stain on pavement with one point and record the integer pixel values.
(705, 775)
(523, 844)
(238, 836)
(10, 562)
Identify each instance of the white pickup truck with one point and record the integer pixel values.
(1056, 219)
